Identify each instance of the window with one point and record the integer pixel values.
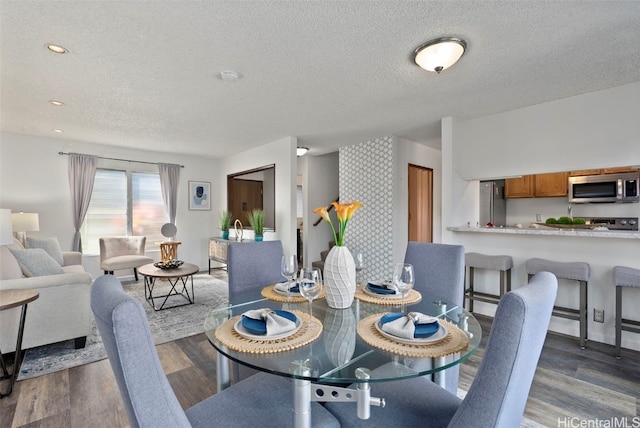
(124, 203)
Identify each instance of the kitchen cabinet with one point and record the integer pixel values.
(537, 186)
(619, 170)
(550, 185)
(585, 172)
(521, 187)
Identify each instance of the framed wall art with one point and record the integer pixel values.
(199, 195)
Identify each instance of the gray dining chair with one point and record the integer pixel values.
(498, 394)
(148, 397)
(252, 266)
(439, 271)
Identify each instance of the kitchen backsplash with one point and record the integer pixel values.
(524, 211)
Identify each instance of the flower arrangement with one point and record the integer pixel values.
(344, 212)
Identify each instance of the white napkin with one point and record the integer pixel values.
(284, 287)
(274, 322)
(405, 326)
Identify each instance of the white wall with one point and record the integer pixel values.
(595, 130)
(33, 178)
(281, 153)
(319, 188)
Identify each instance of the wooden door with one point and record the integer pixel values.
(420, 204)
(245, 196)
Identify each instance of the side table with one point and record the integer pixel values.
(12, 299)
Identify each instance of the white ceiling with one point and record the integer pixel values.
(332, 73)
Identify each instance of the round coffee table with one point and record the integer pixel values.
(12, 299)
(174, 277)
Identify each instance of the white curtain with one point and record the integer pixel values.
(82, 170)
(169, 180)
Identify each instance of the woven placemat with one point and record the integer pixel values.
(229, 337)
(412, 297)
(455, 341)
(270, 293)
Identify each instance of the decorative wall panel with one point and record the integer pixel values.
(366, 175)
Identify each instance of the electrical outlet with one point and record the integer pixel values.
(598, 315)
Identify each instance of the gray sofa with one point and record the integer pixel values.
(62, 311)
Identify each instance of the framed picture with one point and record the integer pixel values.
(199, 195)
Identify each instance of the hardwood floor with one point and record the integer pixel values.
(569, 382)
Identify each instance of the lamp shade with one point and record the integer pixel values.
(439, 54)
(6, 229)
(25, 222)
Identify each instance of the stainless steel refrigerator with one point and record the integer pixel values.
(493, 206)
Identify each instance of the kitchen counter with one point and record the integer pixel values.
(586, 233)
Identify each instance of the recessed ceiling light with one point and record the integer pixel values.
(56, 103)
(229, 76)
(59, 131)
(56, 48)
(301, 151)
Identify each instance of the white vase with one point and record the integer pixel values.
(339, 278)
(339, 331)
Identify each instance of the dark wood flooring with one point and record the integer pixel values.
(569, 383)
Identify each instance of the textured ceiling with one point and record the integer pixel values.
(146, 74)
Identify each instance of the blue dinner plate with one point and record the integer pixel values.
(259, 327)
(422, 330)
(380, 289)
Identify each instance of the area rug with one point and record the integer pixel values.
(166, 325)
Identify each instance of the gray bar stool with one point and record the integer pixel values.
(624, 277)
(576, 271)
(482, 261)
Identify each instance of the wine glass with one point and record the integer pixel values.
(288, 269)
(310, 287)
(359, 261)
(403, 279)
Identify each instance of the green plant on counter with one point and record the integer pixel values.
(225, 221)
(551, 220)
(565, 220)
(256, 220)
(579, 220)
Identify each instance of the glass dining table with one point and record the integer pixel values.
(347, 354)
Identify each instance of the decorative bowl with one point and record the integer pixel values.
(173, 264)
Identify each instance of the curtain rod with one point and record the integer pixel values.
(116, 159)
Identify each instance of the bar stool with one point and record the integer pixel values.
(576, 271)
(624, 277)
(482, 261)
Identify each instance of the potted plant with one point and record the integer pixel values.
(256, 220)
(339, 266)
(225, 223)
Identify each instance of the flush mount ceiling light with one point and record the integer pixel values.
(439, 54)
(56, 103)
(56, 48)
(301, 151)
(58, 131)
(229, 76)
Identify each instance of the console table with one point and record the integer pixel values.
(218, 251)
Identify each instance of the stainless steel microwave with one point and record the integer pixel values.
(605, 188)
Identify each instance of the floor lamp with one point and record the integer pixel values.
(23, 223)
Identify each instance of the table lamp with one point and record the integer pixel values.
(6, 229)
(23, 223)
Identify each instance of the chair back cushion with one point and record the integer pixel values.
(499, 392)
(122, 246)
(253, 265)
(123, 326)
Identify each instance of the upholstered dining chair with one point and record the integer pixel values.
(252, 266)
(498, 394)
(149, 400)
(439, 271)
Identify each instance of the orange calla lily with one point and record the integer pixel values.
(344, 212)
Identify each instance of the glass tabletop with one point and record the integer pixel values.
(339, 354)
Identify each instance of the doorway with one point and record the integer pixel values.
(420, 216)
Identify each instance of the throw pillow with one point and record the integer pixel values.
(50, 245)
(9, 267)
(36, 262)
